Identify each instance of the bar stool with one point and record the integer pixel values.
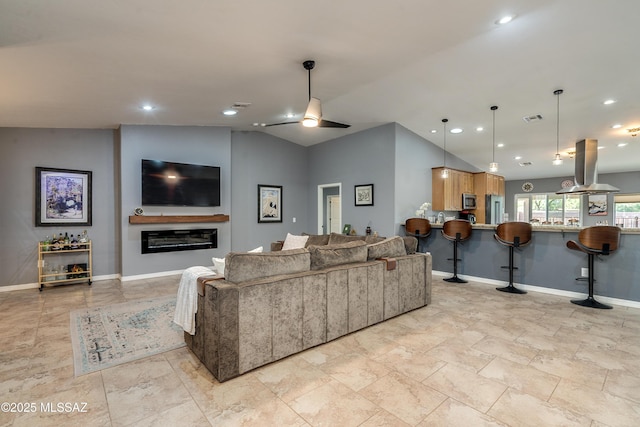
(514, 235)
(598, 240)
(418, 228)
(456, 230)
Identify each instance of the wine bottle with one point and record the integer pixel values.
(74, 242)
(66, 240)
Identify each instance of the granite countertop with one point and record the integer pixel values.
(546, 228)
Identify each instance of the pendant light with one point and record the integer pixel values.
(493, 166)
(557, 159)
(445, 171)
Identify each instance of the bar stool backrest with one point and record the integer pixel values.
(451, 228)
(418, 227)
(598, 236)
(508, 231)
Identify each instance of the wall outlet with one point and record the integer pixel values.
(584, 272)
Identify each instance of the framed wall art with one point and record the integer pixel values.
(269, 203)
(63, 197)
(364, 195)
(597, 204)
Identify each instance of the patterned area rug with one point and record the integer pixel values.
(103, 337)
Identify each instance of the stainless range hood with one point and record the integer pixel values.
(586, 172)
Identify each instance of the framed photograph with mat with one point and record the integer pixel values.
(269, 203)
(63, 197)
(364, 195)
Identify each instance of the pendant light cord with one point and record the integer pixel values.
(444, 160)
(493, 158)
(558, 93)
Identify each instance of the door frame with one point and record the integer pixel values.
(322, 205)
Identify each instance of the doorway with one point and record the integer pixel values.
(329, 208)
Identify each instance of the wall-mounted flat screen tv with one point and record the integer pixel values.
(179, 184)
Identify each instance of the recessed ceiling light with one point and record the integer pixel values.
(517, 157)
(290, 115)
(479, 129)
(622, 144)
(500, 145)
(616, 126)
(600, 147)
(505, 19)
(456, 130)
(609, 102)
(230, 112)
(433, 131)
(147, 107)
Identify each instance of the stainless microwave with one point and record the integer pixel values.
(468, 201)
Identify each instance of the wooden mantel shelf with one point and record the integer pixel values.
(176, 219)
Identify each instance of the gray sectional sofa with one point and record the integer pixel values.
(274, 304)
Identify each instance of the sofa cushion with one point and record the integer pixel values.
(388, 248)
(317, 239)
(342, 253)
(335, 238)
(373, 239)
(294, 242)
(218, 263)
(410, 244)
(244, 266)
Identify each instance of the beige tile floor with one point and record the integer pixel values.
(474, 357)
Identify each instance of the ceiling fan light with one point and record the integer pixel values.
(557, 161)
(313, 114)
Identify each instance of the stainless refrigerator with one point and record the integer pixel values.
(494, 209)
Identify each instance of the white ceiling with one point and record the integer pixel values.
(92, 64)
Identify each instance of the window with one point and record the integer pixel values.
(548, 208)
(627, 210)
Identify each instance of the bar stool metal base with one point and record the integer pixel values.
(591, 303)
(511, 289)
(455, 279)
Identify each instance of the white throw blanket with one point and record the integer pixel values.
(187, 300)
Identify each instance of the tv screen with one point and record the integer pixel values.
(179, 184)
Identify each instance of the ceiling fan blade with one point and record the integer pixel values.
(329, 124)
(278, 124)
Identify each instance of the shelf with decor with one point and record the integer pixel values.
(54, 273)
(176, 219)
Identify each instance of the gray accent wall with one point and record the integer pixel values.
(22, 149)
(200, 145)
(366, 157)
(259, 158)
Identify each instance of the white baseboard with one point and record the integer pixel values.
(24, 286)
(543, 290)
(150, 275)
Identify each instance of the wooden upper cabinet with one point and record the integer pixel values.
(488, 183)
(447, 193)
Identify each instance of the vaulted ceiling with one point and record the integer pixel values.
(93, 64)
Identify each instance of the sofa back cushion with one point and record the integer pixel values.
(336, 238)
(317, 239)
(388, 248)
(342, 253)
(243, 266)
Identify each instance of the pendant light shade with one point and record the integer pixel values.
(493, 166)
(557, 159)
(445, 171)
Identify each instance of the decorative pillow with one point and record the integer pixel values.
(218, 266)
(410, 244)
(335, 238)
(294, 242)
(256, 250)
(388, 248)
(342, 253)
(317, 239)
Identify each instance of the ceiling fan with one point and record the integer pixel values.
(313, 115)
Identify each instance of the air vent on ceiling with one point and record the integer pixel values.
(525, 163)
(533, 118)
(240, 105)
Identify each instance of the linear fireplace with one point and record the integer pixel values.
(178, 240)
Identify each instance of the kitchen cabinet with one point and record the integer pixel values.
(447, 192)
(486, 184)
